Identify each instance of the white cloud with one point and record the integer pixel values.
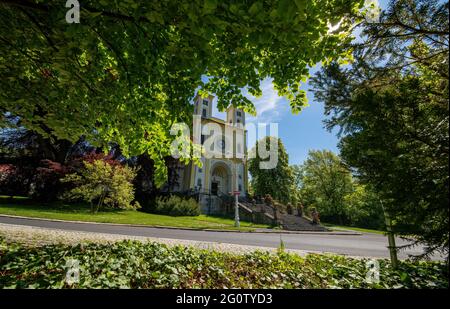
(269, 106)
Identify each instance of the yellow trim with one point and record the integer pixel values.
(214, 119)
(192, 180)
(245, 163)
(207, 172)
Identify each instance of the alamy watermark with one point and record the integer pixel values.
(72, 271)
(373, 271)
(213, 140)
(73, 14)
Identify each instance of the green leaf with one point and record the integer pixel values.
(285, 9)
(210, 5)
(255, 8)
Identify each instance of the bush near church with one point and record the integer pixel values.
(102, 183)
(176, 206)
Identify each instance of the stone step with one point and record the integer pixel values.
(300, 224)
(287, 221)
(302, 227)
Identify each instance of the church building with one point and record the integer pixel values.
(224, 168)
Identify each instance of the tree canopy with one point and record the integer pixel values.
(325, 181)
(392, 108)
(277, 181)
(129, 69)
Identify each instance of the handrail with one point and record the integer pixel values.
(245, 208)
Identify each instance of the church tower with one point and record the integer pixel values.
(235, 116)
(203, 106)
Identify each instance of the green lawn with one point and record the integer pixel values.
(63, 211)
(352, 228)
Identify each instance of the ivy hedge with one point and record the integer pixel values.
(132, 264)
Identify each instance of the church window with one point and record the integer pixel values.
(205, 102)
(199, 183)
(240, 187)
(204, 113)
(238, 114)
(221, 143)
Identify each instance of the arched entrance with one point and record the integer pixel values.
(220, 179)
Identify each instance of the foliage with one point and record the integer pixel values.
(18, 144)
(392, 109)
(297, 173)
(144, 181)
(325, 183)
(93, 156)
(128, 70)
(363, 208)
(38, 162)
(14, 180)
(104, 184)
(177, 206)
(276, 181)
(129, 264)
(46, 185)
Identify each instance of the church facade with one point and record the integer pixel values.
(224, 165)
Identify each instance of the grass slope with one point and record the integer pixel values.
(77, 212)
(352, 228)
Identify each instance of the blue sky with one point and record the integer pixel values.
(299, 133)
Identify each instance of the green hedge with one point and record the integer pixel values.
(176, 206)
(153, 265)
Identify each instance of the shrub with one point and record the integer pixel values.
(101, 183)
(47, 185)
(132, 264)
(14, 180)
(94, 156)
(177, 206)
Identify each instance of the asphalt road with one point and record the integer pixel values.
(367, 245)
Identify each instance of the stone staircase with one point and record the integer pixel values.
(286, 221)
(296, 223)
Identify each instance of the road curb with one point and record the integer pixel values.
(350, 233)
